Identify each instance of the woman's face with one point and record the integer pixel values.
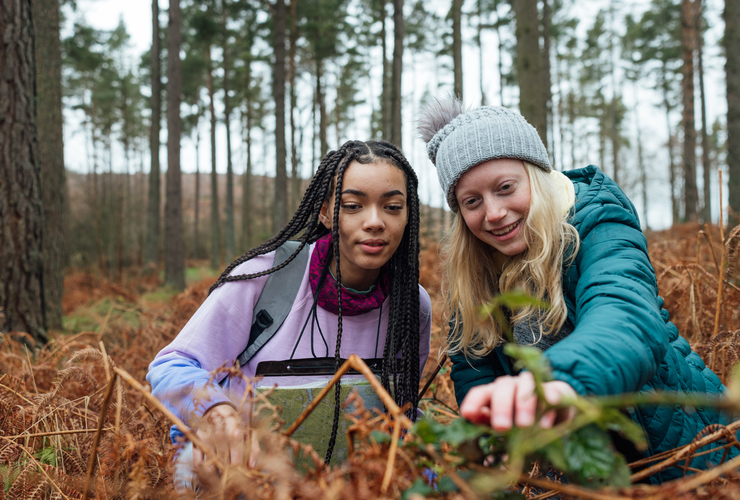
(372, 218)
(494, 199)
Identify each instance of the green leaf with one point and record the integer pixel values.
(456, 433)
(591, 460)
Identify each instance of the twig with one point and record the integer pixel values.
(106, 364)
(709, 475)
(721, 268)
(96, 441)
(433, 376)
(568, 489)
(358, 364)
(711, 245)
(391, 457)
(54, 433)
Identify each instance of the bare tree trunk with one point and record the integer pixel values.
(48, 55)
(689, 128)
(247, 204)
(480, 54)
(174, 265)
(196, 236)
(230, 237)
(546, 78)
(153, 221)
(280, 214)
(530, 73)
(457, 47)
(295, 191)
(22, 300)
(385, 101)
(731, 39)
(672, 178)
(396, 95)
(706, 208)
(322, 108)
(215, 219)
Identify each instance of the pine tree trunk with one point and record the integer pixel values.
(174, 264)
(546, 78)
(396, 95)
(247, 204)
(196, 236)
(688, 121)
(48, 55)
(480, 54)
(230, 237)
(457, 47)
(385, 101)
(153, 221)
(280, 214)
(22, 301)
(732, 68)
(706, 167)
(323, 126)
(295, 191)
(215, 219)
(530, 73)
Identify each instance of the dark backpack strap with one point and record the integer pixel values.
(276, 299)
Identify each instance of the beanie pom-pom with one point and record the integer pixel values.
(436, 114)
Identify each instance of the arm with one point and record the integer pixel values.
(620, 338)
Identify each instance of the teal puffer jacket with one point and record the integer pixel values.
(623, 340)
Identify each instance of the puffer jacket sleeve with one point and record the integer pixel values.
(620, 338)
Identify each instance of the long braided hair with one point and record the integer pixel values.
(399, 376)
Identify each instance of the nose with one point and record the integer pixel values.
(495, 211)
(374, 219)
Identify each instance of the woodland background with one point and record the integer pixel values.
(102, 262)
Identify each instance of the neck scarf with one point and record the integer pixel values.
(353, 303)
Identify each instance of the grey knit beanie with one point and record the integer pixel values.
(457, 141)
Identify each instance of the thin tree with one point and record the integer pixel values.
(48, 55)
(174, 264)
(731, 39)
(456, 14)
(229, 229)
(688, 120)
(21, 276)
(706, 208)
(280, 209)
(529, 67)
(153, 226)
(396, 95)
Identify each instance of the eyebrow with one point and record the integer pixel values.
(357, 192)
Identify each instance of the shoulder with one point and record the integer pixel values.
(599, 199)
(425, 304)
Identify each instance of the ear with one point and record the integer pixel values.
(324, 215)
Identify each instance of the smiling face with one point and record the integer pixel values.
(372, 219)
(494, 199)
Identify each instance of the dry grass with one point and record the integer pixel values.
(51, 400)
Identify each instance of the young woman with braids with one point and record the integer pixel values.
(574, 240)
(359, 294)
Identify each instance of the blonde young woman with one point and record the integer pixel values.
(574, 240)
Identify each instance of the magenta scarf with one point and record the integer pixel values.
(353, 304)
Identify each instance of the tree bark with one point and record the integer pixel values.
(396, 95)
(546, 78)
(230, 237)
(196, 235)
(153, 225)
(22, 300)
(295, 191)
(530, 73)
(457, 47)
(706, 167)
(247, 205)
(174, 265)
(48, 55)
(280, 209)
(215, 219)
(731, 39)
(321, 101)
(689, 127)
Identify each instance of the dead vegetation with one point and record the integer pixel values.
(68, 419)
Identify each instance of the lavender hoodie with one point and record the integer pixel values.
(219, 330)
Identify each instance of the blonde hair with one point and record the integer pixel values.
(472, 279)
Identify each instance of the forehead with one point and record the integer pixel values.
(380, 174)
(491, 172)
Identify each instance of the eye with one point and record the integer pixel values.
(395, 207)
(470, 202)
(507, 187)
(350, 206)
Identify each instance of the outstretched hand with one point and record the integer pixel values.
(512, 401)
(224, 431)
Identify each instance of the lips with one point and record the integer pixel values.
(373, 246)
(507, 229)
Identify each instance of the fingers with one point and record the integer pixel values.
(477, 404)
(254, 451)
(502, 404)
(526, 400)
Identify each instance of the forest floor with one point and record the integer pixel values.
(74, 423)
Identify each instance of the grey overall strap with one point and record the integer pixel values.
(276, 299)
